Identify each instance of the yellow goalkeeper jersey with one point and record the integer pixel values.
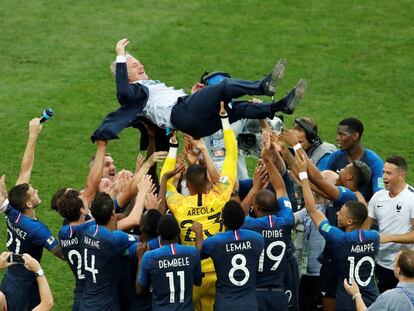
(204, 208)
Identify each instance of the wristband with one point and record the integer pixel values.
(174, 145)
(39, 273)
(356, 295)
(223, 116)
(303, 175)
(297, 147)
(3, 207)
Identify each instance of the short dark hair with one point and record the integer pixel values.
(168, 228)
(266, 201)
(150, 223)
(406, 262)
(357, 211)
(232, 215)
(93, 158)
(102, 208)
(18, 196)
(69, 205)
(196, 176)
(398, 161)
(361, 173)
(56, 197)
(354, 125)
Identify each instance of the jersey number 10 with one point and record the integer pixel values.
(354, 269)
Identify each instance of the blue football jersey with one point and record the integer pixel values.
(236, 257)
(155, 243)
(354, 258)
(70, 242)
(26, 235)
(333, 208)
(171, 271)
(276, 231)
(102, 252)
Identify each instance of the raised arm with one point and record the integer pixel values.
(229, 170)
(315, 175)
(259, 180)
(95, 172)
(29, 153)
(163, 186)
(46, 298)
(134, 217)
(169, 163)
(316, 216)
(275, 178)
(212, 170)
(198, 230)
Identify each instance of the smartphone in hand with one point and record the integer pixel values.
(16, 259)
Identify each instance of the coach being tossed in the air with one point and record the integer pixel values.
(195, 114)
(202, 205)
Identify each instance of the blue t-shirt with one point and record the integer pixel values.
(26, 235)
(102, 257)
(339, 160)
(355, 253)
(70, 242)
(236, 257)
(171, 271)
(276, 231)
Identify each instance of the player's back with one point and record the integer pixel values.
(355, 253)
(205, 209)
(70, 242)
(236, 256)
(102, 251)
(26, 235)
(171, 271)
(276, 231)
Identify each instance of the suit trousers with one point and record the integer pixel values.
(198, 114)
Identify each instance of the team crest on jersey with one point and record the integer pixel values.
(326, 227)
(131, 237)
(50, 240)
(224, 180)
(288, 204)
(398, 208)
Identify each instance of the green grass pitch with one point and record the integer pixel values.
(356, 55)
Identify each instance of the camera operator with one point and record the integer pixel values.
(306, 131)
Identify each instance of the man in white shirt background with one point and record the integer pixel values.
(393, 210)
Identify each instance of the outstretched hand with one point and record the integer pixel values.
(120, 46)
(223, 111)
(145, 185)
(179, 169)
(301, 162)
(196, 87)
(4, 260)
(289, 136)
(157, 156)
(260, 177)
(351, 287)
(34, 127)
(152, 201)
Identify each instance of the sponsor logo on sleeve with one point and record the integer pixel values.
(50, 240)
(326, 227)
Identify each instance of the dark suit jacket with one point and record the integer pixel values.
(133, 98)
